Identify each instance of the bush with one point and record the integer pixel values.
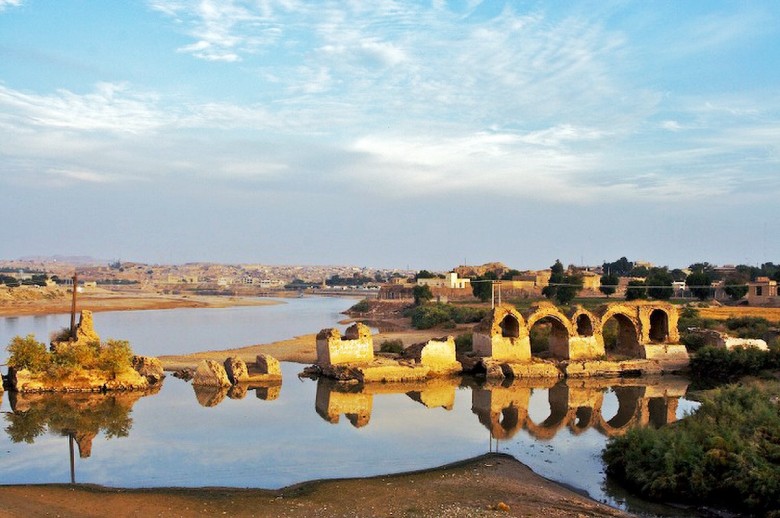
(464, 343)
(726, 454)
(426, 316)
(392, 346)
(115, 356)
(361, 307)
(723, 365)
(28, 353)
(748, 327)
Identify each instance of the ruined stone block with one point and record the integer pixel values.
(356, 346)
(236, 370)
(438, 354)
(267, 364)
(210, 373)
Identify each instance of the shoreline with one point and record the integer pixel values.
(481, 486)
(104, 300)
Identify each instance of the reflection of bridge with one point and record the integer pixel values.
(645, 330)
(503, 407)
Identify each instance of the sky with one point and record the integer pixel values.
(393, 134)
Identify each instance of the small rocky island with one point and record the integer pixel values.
(78, 361)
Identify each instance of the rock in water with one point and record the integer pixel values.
(149, 367)
(267, 364)
(211, 373)
(236, 370)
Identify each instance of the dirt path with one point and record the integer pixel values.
(476, 487)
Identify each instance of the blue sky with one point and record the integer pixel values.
(390, 133)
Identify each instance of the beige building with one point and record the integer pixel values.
(450, 281)
(763, 292)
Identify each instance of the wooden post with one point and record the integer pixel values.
(73, 307)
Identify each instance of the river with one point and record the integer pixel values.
(274, 436)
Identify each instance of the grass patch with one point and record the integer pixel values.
(726, 454)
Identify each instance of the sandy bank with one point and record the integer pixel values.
(104, 300)
(300, 349)
(469, 488)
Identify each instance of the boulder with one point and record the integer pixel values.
(267, 364)
(236, 370)
(149, 367)
(210, 373)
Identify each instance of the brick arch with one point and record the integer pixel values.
(629, 329)
(562, 331)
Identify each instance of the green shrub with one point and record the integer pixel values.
(392, 346)
(361, 307)
(28, 353)
(464, 343)
(748, 327)
(726, 454)
(723, 365)
(77, 354)
(115, 356)
(426, 316)
(693, 341)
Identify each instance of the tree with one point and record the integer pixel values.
(563, 288)
(556, 278)
(699, 284)
(636, 290)
(735, 287)
(482, 286)
(678, 275)
(621, 267)
(424, 274)
(572, 284)
(639, 271)
(659, 283)
(422, 294)
(507, 276)
(609, 283)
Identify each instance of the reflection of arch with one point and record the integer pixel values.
(627, 340)
(628, 413)
(502, 410)
(558, 396)
(662, 411)
(659, 326)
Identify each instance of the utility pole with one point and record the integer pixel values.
(73, 307)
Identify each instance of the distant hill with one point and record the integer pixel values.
(67, 259)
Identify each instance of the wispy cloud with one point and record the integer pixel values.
(108, 108)
(9, 3)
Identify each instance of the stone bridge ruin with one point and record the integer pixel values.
(639, 331)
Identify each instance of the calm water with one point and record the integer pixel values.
(179, 331)
(274, 436)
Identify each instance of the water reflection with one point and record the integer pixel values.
(503, 407)
(577, 405)
(212, 396)
(80, 416)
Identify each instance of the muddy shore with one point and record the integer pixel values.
(489, 485)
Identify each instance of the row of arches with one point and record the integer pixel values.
(506, 414)
(619, 330)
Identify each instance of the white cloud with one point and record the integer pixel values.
(108, 108)
(9, 3)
